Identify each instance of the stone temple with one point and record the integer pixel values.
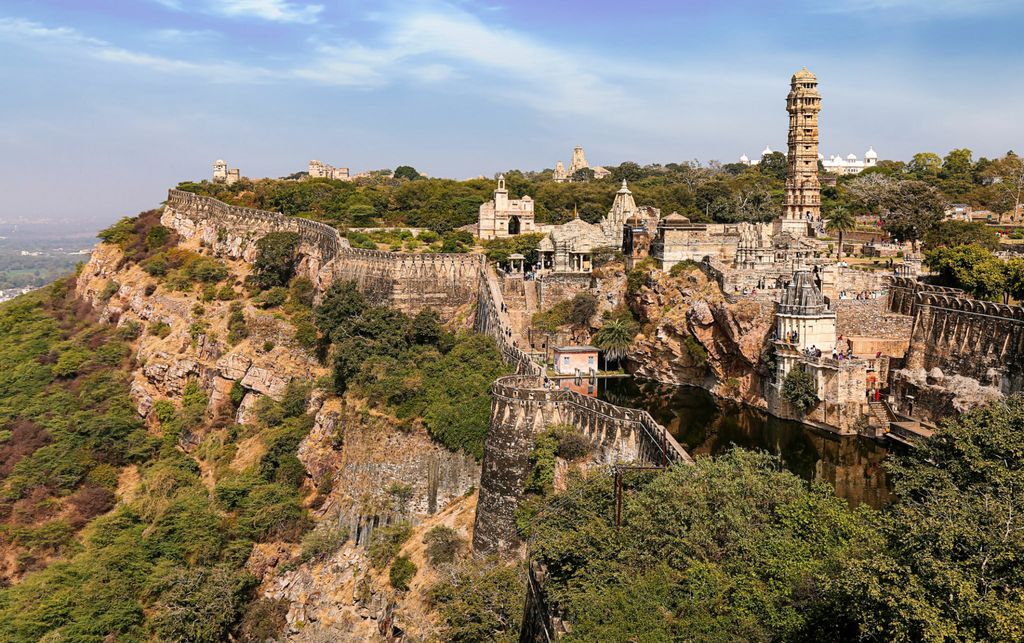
(747, 255)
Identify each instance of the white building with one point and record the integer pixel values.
(745, 160)
(505, 217)
(221, 173)
(851, 164)
(835, 164)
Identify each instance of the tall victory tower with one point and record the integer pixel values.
(803, 192)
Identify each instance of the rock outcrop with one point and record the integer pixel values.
(693, 335)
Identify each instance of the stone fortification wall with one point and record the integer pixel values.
(556, 288)
(492, 319)
(522, 405)
(968, 337)
(408, 282)
(903, 292)
(521, 408)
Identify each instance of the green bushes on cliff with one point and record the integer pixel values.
(276, 255)
(167, 562)
(411, 365)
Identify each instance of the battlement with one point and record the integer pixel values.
(903, 293)
(959, 335)
(409, 282)
(522, 406)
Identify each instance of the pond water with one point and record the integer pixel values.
(705, 425)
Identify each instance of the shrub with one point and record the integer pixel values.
(443, 543)
(264, 620)
(696, 350)
(402, 571)
(199, 604)
(272, 298)
(386, 541)
(272, 512)
(226, 293)
(109, 290)
(205, 269)
(683, 267)
(301, 292)
(481, 601)
(156, 265)
(323, 541)
(584, 305)
(276, 256)
(238, 327)
(799, 389)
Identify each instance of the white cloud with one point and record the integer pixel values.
(919, 8)
(444, 44)
(32, 33)
(185, 36)
(273, 10)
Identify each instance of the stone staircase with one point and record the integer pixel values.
(881, 415)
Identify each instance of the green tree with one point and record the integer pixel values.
(799, 389)
(948, 564)
(773, 165)
(913, 209)
(730, 549)
(1015, 279)
(406, 172)
(840, 221)
(481, 600)
(961, 233)
(276, 255)
(972, 268)
(925, 164)
(615, 338)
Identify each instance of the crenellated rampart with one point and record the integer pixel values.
(903, 293)
(982, 340)
(523, 406)
(408, 282)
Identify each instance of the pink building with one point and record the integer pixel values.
(575, 360)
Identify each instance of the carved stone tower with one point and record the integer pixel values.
(803, 192)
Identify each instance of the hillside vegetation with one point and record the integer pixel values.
(115, 527)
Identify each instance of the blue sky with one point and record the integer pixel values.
(106, 104)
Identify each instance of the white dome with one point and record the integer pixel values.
(744, 159)
(851, 157)
(821, 157)
(767, 150)
(870, 154)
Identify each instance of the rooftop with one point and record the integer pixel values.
(576, 349)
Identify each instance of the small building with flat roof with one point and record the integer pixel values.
(576, 360)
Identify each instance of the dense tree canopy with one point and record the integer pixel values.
(736, 549)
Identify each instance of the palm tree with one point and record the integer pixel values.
(841, 221)
(615, 338)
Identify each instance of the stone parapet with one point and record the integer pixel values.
(524, 406)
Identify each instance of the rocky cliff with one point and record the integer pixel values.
(364, 469)
(691, 334)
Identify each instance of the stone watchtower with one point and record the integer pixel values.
(803, 192)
